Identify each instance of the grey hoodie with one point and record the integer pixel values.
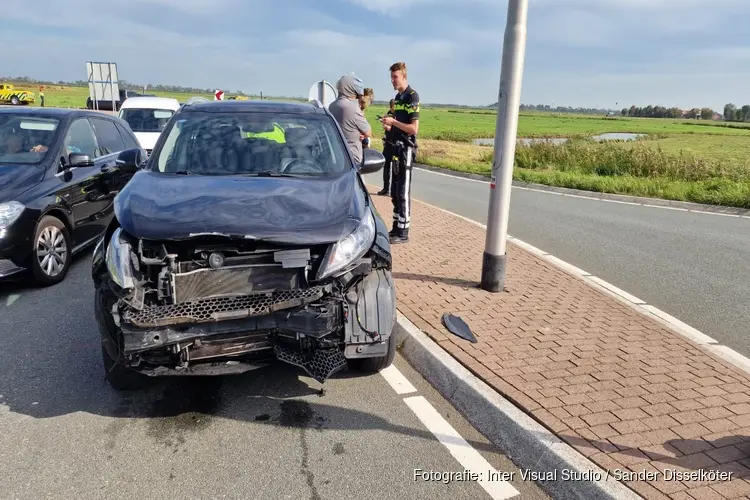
(347, 113)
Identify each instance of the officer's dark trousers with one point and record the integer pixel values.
(401, 192)
(388, 153)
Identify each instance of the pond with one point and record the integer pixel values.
(613, 136)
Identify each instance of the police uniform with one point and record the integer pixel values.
(388, 153)
(406, 110)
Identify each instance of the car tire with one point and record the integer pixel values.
(15, 101)
(53, 237)
(119, 377)
(373, 365)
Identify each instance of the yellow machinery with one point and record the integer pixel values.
(9, 95)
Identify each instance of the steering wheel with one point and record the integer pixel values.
(301, 166)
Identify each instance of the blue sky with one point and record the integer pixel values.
(685, 53)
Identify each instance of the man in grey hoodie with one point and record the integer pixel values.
(348, 114)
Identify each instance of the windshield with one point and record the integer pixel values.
(250, 143)
(146, 120)
(24, 138)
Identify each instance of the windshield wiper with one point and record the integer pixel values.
(270, 173)
(183, 172)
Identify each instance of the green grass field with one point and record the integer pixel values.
(688, 160)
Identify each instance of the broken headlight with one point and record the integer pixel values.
(118, 260)
(347, 251)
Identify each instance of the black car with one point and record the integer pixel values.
(59, 174)
(247, 237)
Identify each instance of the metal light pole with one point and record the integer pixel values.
(506, 127)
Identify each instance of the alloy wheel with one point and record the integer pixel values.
(51, 251)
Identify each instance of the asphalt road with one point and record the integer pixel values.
(267, 434)
(695, 267)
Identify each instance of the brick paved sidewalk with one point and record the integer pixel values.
(622, 389)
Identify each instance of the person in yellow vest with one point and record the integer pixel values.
(41, 96)
(277, 134)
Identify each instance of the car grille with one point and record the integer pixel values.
(221, 308)
(7, 267)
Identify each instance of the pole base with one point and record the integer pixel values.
(493, 272)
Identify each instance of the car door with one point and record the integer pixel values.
(78, 183)
(110, 178)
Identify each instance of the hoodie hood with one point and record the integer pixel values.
(350, 86)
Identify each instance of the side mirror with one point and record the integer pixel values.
(372, 161)
(130, 160)
(79, 160)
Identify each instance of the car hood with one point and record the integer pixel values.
(147, 139)
(17, 179)
(289, 210)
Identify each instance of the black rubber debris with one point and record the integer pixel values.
(458, 327)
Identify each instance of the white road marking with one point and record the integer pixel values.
(714, 213)
(397, 380)
(620, 202)
(462, 451)
(11, 299)
(569, 195)
(666, 208)
(675, 324)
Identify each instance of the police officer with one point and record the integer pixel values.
(404, 127)
(388, 153)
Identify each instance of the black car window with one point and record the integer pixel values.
(26, 139)
(109, 139)
(130, 142)
(80, 138)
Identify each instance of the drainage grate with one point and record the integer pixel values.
(221, 308)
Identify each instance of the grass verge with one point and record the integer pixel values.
(631, 169)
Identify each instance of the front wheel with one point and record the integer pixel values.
(119, 376)
(371, 365)
(52, 255)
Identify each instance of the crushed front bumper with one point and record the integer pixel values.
(317, 329)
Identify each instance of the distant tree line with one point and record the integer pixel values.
(562, 109)
(734, 114)
(664, 112)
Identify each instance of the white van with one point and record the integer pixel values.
(147, 117)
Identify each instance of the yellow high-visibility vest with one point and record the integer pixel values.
(277, 135)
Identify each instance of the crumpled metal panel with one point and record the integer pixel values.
(221, 308)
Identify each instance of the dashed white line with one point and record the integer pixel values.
(462, 451)
(619, 201)
(11, 299)
(458, 447)
(397, 380)
(666, 208)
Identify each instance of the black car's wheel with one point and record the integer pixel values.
(120, 377)
(376, 364)
(51, 257)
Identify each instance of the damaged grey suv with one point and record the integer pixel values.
(248, 236)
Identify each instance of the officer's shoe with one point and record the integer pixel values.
(383, 192)
(399, 237)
